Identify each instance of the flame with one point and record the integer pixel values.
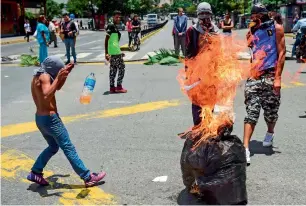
(212, 78)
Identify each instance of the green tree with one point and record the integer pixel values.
(54, 9)
(273, 4)
(191, 9)
(165, 8)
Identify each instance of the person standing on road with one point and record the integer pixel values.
(43, 37)
(227, 25)
(180, 28)
(114, 55)
(28, 30)
(52, 30)
(263, 87)
(297, 28)
(69, 30)
(48, 79)
(136, 25)
(72, 17)
(129, 29)
(196, 41)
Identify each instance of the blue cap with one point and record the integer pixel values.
(71, 16)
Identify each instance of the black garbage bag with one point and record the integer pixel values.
(216, 169)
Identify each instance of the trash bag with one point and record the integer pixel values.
(216, 169)
(169, 61)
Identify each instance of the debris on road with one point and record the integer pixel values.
(160, 179)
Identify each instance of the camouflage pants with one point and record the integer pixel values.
(259, 94)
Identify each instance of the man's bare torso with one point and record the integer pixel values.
(43, 106)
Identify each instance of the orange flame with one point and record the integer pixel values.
(212, 78)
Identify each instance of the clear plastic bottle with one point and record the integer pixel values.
(88, 88)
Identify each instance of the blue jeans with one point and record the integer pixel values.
(43, 52)
(69, 43)
(56, 135)
(296, 43)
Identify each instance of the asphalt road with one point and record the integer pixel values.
(133, 137)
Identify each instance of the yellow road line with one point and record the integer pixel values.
(22, 128)
(15, 165)
(298, 84)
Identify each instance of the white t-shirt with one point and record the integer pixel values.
(51, 26)
(27, 27)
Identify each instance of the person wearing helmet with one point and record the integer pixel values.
(69, 31)
(262, 89)
(196, 41)
(72, 17)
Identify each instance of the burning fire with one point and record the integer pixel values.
(211, 79)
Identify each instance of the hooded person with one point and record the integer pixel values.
(48, 79)
(198, 38)
(51, 65)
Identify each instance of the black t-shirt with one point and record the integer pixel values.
(136, 23)
(111, 29)
(68, 27)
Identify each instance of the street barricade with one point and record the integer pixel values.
(150, 30)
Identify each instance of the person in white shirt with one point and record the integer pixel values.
(27, 29)
(52, 30)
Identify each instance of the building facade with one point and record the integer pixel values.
(13, 14)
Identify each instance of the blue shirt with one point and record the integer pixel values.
(301, 23)
(42, 28)
(264, 49)
(180, 24)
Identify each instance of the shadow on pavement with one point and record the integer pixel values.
(257, 148)
(54, 185)
(303, 116)
(185, 198)
(303, 72)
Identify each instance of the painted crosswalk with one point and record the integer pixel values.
(83, 56)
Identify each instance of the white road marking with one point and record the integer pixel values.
(59, 55)
(147, 55)
(97, 47)
(6, 76)
(83, 55)
(92, 42)
(100, 57)
(129, 55)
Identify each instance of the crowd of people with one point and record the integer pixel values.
(262, 88)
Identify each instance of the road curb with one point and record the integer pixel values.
(289, 35)
(14, 41)
(125, 47)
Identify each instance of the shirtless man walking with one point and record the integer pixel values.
(48, 79)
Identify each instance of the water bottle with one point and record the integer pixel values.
(88, 88)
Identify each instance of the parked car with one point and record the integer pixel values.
(152, 20)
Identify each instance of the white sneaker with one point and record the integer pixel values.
(248, 156)
(268, 141)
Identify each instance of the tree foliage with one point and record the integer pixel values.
(54, 9)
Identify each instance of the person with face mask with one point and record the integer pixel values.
(197, 38)
(262, 88)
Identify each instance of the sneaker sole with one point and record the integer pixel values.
(267, 145)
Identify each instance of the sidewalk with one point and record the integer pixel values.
(14, 40)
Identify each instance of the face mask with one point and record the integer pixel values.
(205, 20)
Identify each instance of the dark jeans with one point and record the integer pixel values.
(53, 38)
(69, 43)
(56, 135)
(296, 43)
(27, 36)
(179, 43)
(196, 112)
(130, 38)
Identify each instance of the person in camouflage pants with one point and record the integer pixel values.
(259, 93)
(262, 89)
